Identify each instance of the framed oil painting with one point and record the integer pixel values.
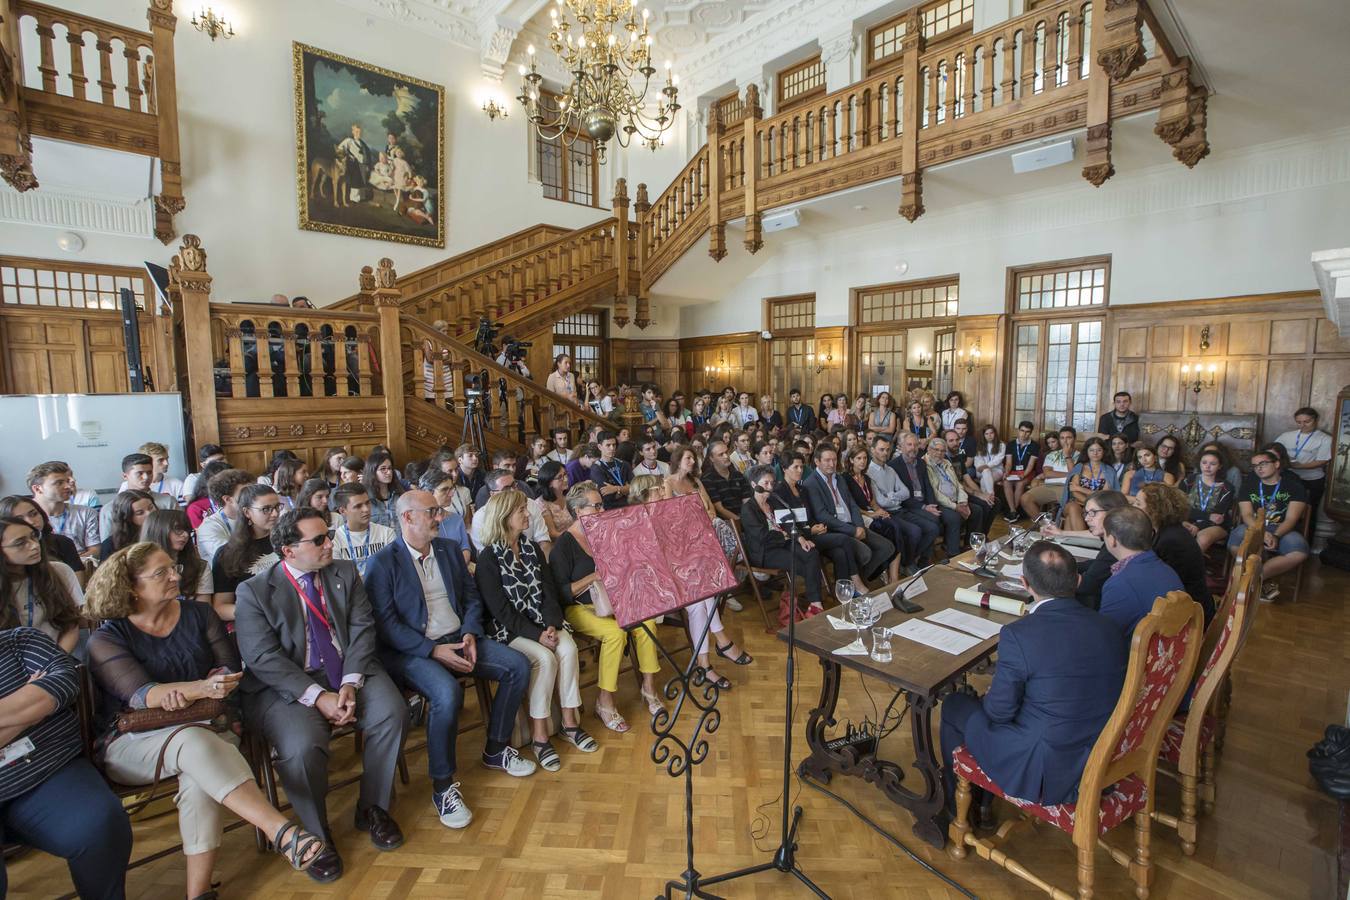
(370, 147)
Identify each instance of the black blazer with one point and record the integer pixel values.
(922, 489)
(804, 418)
(488, 574)
(756, 535)
(1177, 547)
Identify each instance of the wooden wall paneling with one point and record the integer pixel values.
(107, 357)
(1291, 336)
(1286, 391)
(738, 352)
(1248, 337)
(659, 357)
(1244, 380)
(1167, 340)
(979, 386)
(252, 429)
(1329, 339)
(620, 364)
(1329, 376)
(836, 376)
(1132, 342)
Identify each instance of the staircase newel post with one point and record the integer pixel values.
(382, 288)
(621, 250)
(754, 236)
(717, 229)
(188, 276)
(169, 202)
(641, 207)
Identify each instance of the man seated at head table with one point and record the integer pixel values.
(1059, 675)
(1138, 576)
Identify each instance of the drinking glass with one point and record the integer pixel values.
(844, 589)
(881, 644)
(860, 613)
(977, 546)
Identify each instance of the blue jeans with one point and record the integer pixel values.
(96, 844)
(445, 696)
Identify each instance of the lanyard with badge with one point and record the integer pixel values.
(1205, 495)
(351, 545)
(1261, 496)
(1020, 452)
(1300, 444)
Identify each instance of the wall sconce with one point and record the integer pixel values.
(820, 360)
(925, 360)
(1195, 380)
(1204, 339)
(493, 110)
(211, 25)
(971, 360)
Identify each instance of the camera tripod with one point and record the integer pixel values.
(475, 423)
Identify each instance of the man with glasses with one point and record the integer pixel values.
(498, 481)
(1283, 499)
(308, 641)
(611, 474)
(442, 487)
(431, 625)
(53, 486)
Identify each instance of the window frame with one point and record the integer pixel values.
(734, 102)
(568, 343)
(566, 147)
(873, 64)
(898, 327)
(781, 103)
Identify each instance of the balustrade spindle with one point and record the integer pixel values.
(46, 59)
(1050, 57)
(968, 83)
(1009, 85)
(133, 58)
(991, 63)
(1073, 54)
(234, 339)
(1028, 86)
(290, 359)
(78, 80)
(105, 76)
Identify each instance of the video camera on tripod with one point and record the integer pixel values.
(485, 342)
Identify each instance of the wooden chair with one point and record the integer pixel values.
(1192, 733)
(1251, 541)
(754, 582)
(1117, 782)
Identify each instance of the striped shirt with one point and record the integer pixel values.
(56, 739)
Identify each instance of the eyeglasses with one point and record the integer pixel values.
(434, 511)
(1091, 513)
(22, 543)
(1262, 462)
(161, 574)
(317, 541)
(267, 510)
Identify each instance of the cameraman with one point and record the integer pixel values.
(513, 357)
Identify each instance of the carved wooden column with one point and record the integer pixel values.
(382, 287)
(1121, 50)
(717, 229)
(911, 113)
(188, 276)
(1097, 167)
(621, 250)
(1195, 145)
(754, 234)
(16, 149)
(169, 202)
(642, 208)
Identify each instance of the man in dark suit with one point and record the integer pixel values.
(1138, 576)
(430, 619)
(833, 506)
(1059, 675)
(307, 639)
(913, 472)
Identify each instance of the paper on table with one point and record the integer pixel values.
(981, 628)
(1056, 480)
(1012, 570)
(854, 649)
(968, 566)
(930, 635)
(976, 597)
(1080, 552)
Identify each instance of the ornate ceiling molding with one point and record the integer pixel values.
(78, 210)
(452, 20)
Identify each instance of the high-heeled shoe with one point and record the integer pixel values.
(744, 659)
(654, 704)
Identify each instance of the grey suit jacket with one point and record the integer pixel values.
(269, 624)
(822, 503)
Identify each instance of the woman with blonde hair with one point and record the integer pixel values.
(646, 488)
(768, 412)
(155, 652)
(520, 592)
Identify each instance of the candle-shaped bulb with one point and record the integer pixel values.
(530, 49)
(1186, 369)
(668, 65)
(611, 40)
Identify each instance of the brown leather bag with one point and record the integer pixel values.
(135, 720)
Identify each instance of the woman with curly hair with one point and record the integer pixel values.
(1168, 508)
(128, 514)
(154, 652)
(171, 530)
(37, 592)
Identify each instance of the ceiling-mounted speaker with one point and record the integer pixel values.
(781, 221)
(1043, 157)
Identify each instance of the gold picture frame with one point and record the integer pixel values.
(391, 188)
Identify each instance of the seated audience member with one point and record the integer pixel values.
(37, 592)
(553, 511)
(1211, 501)
(307, 639)
(383, 486)
(250, 549)
(502, 461)
(314, 493)
(945, 489)
(648, 464)
(431, 624)
(1144, 470)
(574, 571)
(1059, 675)
(278, 457)
(224, 489)
(953, 410)
(39, 685)
(988, 462)
(170, 530)
(875, 518)
(1094, 571)
(331, 469)
(1231, 474)
(1309, 452)
(909, 468)
(353, 467)
(578, 468)
(53, 486)
(917, 527)
(197, 504)
(453, 527)
(538, 456)
(727, 488)
(611, 475)
(156, 651)
(137, 474)
(498, 481)
(525, 606)
(1171, 458)
(683, 479)
(125, 516)
(646, 489)
(460, 503)
(160, 482)
(1091, 473)
(1120, 419)
(1138, 576)
(742, 452)
(1049, 486)
(801, 417)
(58, 547)
(1167, 509)
(357, 539)
(1121, 456)
(207, 453)
(1284, 500)
(289, 479)
(471, 473)
(1019, 468)
(768, 545)
(832, 505)
(561, 451)
(960, 453)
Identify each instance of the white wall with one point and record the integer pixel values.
(1239, 223)
(238, 137)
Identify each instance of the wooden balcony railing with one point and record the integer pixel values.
(94, 82)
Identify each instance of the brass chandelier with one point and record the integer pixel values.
(607, 48)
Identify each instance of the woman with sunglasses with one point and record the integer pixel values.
(171, 531)
(249, 549)
(37, 592)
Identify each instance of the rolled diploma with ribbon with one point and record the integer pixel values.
(976, 597)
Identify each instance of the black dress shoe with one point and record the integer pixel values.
(1336, 742)
(384, 831)
(327, 866)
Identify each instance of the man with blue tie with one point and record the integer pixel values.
(430, 620)
(1060, 671)
(833, 506)
(307, 639)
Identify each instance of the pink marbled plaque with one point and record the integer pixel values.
(657, 557)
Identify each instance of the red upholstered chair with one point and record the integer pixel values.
(1117, 783)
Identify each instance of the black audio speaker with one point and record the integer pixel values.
(131, 332)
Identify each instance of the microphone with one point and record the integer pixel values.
(898, 598)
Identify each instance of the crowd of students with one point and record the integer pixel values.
(308, 600)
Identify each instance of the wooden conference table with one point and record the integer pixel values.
(923, 673)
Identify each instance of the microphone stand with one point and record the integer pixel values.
(784, 858)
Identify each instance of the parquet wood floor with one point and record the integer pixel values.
(609, 825)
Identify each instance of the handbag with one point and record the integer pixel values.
(137, 720)
(600, 599)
